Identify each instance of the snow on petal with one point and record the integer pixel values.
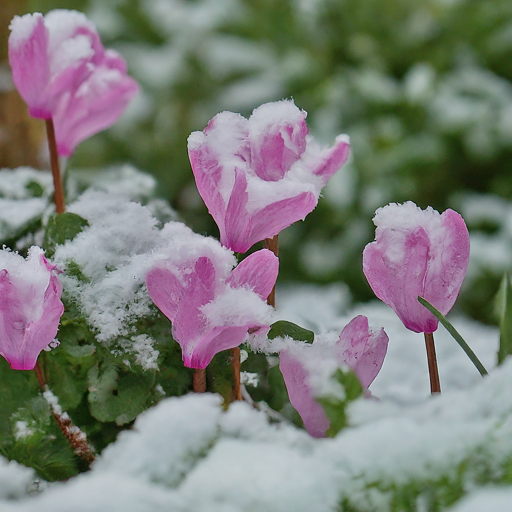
(30, 307)
(362, 349)
(211, 308)
(301, 396)
(307, 369)
(259, 175)
(62, 71)
(417, 253)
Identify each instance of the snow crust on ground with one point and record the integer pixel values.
(188, 454)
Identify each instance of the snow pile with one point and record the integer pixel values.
(188, 454)
(15, 480)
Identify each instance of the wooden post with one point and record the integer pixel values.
(21, 136)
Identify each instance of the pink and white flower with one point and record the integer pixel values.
(306, 368)
(62, 71)
(211, 307)
(417, 253)
(30, 307)
(259, 175)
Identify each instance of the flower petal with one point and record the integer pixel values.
(296, 379)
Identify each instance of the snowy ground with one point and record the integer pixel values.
(187, 454)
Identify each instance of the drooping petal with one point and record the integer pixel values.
(296, 378)
(257, 272)
(362, 350)
(329, 160)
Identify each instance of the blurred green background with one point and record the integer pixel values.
(423, 89)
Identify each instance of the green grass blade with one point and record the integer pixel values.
(458, 338)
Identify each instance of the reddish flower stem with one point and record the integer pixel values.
(58, 196)
(76, 438)
(435, 385)
(235, 364)
(272, 245)
(199, 381)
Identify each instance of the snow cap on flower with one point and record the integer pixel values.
(212, 307)
(30, 307)
(62, 71)
(259, 175)
(307, 368)
(417, 253)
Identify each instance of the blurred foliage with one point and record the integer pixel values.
(423, 89)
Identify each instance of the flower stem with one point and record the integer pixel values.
(58, 196)
(76, 438)
(235, 364)
(435, 386)
(272, 245)
(199, 381)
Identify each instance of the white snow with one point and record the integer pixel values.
(22, 27)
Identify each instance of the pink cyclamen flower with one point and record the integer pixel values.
(30, 307)
(62, 71)
(417, 253)
(259, 175)
(211, 308)
(305, 368)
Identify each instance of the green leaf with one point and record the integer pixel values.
(283, 328)
(114, 396)
(37, 442)
(456, 336)
(17, 387)
(503, 308)
(62, 227)
(335, 407)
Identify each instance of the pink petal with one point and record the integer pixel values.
(41, 332)
(257, 272)
(362, 350)
(28, 56)
(23, 334)
(331, 159)
(296, 380)
(165, 291)
(417, 256)
(240, 231)
(278, 139)
(96, 105)
(233, 156)
(190, 325)
(13, 323)
(215, 341)
(445, 274)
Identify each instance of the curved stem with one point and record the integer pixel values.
(58, 196)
